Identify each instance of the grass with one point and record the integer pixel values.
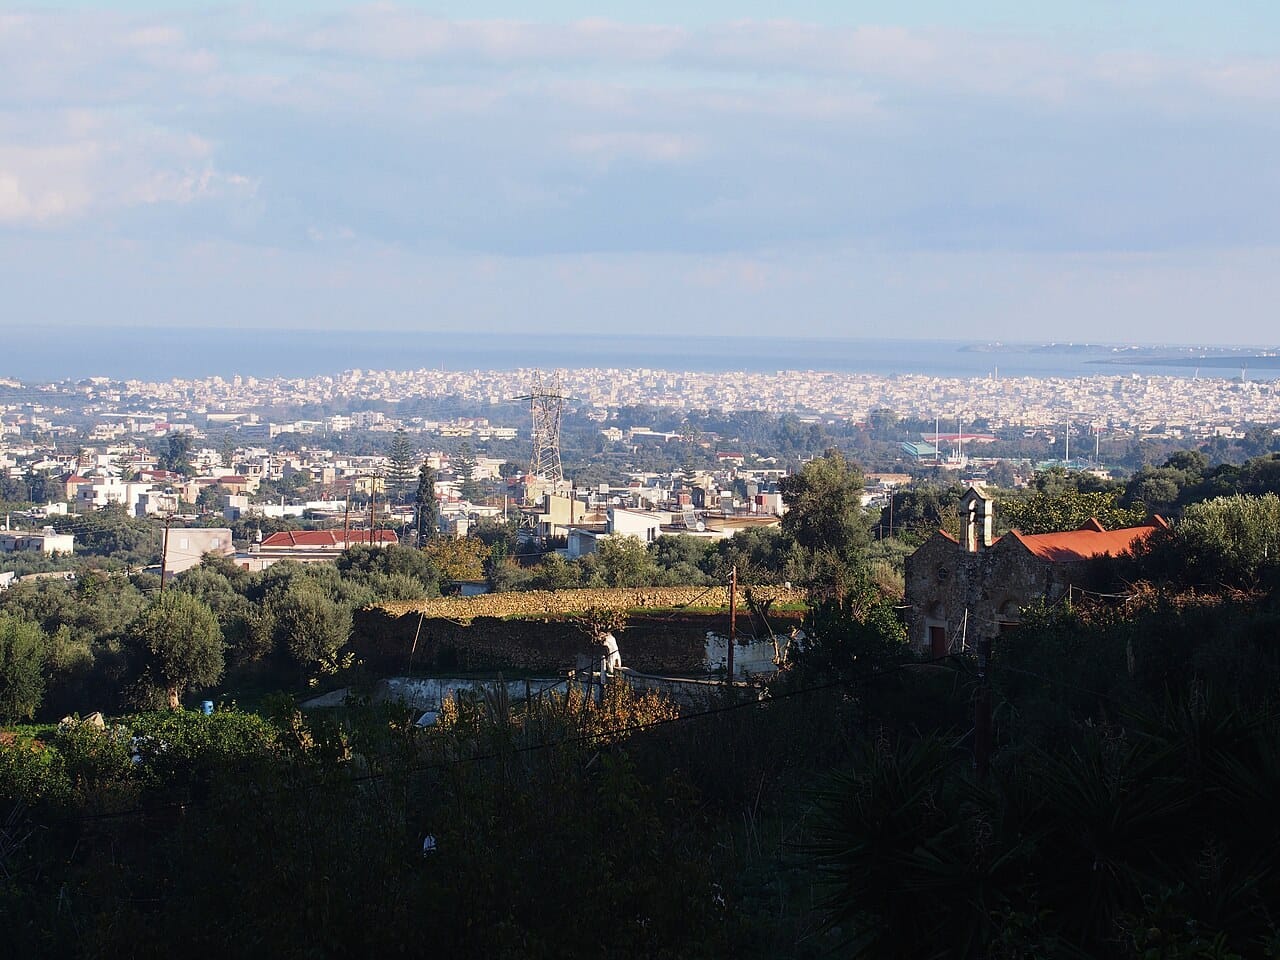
(35, 731)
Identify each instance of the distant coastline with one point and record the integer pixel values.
(34, 354)
(1156, 354)
(1268, 361)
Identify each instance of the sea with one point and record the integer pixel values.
(47, 354)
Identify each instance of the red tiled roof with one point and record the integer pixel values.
(1091, 540)
(327, 538)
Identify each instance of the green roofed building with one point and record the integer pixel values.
(921, 451)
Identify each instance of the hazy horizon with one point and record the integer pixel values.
(44, 354)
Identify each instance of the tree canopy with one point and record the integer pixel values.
(1053, 513)
(309, 623)
(426, 510)
(1229, 540)
(175, 454)
(824, 510)
(180, 642)
(400, 457)
(23, 648)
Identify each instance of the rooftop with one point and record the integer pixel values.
(1091, 540)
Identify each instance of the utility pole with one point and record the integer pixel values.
(733, 622)
(982, 713)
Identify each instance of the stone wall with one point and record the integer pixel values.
(544, 603)
(652, 643)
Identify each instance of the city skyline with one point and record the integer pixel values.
(1093, 174)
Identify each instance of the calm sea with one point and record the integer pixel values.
(41, 354)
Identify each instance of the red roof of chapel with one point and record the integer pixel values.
(1091, 540)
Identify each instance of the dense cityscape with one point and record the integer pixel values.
(1193, 406)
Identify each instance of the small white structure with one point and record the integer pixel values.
(46, 541)
(644, 526)
(634, 523)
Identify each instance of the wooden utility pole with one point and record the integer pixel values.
(733, 622)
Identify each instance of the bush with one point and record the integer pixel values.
(1230, 540)
(310, 625)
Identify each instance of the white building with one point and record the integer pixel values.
(187, 546)
(110, 490)
(46, 541)
(646, 527)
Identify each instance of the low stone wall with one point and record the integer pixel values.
(653, 643)
(544, 603)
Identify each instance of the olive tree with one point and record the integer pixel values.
(23, 647)
(825, 514)
(1230, 540)
(180, 643)
(309, 623)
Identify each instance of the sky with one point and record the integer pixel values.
(1104, 170)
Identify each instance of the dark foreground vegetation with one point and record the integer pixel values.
(1128, 811)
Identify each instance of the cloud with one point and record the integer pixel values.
(383, 31)
(72, 164)
(1020, 67)
(651, 147)
(61, 59)
(505, 137)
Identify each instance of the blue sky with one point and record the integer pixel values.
(1106, 170)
